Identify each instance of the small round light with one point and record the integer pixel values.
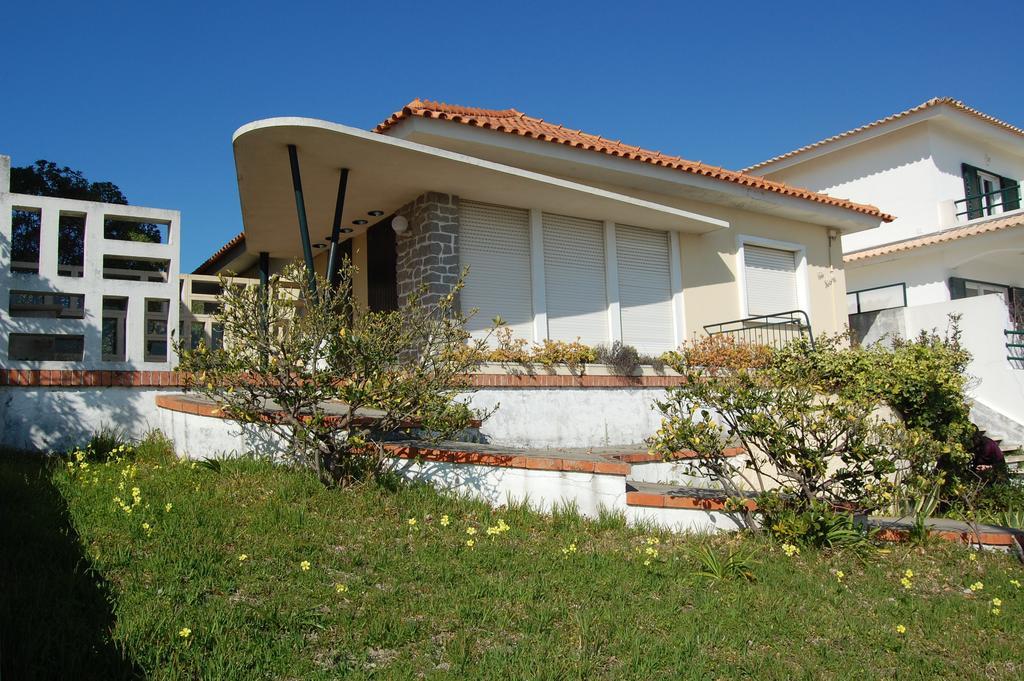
(376, 213)
(345, 230)
(399, 223)
(359, 222)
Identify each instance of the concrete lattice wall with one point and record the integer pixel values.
(92, 280)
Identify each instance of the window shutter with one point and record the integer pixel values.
(957, 289)
(494, 242)
(645, 289)
(574, 279)
(972, 188)
(1010, 193)
(770, 280)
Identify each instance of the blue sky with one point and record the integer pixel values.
(147, 94)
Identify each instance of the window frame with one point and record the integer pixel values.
(800, 252)
(857, 293)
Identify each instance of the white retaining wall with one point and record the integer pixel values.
(50, 419)
(47, 418)
(568, 417)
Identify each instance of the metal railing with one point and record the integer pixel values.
(775, 330)
(982, 206)
(1015, 347)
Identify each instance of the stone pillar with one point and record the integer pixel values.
(428, 251)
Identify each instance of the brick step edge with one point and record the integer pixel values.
(888, 534)
(89, 378)
(510, 460)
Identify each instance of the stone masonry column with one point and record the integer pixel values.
(428, 251)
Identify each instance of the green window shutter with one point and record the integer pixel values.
(972, 188)
(956, 288)
(1011, 193)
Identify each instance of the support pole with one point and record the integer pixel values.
(264, 302)
(334, 259)
(300, 209)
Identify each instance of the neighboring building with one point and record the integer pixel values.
(567, 235)
(85, 285)
(950, 174)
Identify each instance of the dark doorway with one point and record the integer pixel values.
(382, 267)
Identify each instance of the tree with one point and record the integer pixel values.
(46, 178)
(330, 379)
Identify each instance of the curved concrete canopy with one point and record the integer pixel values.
(385, 173)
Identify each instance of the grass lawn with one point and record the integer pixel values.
(252, 571)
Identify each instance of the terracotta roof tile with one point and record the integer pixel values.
(517, 123)
(931, 103)
(221, 252)
(995, 225)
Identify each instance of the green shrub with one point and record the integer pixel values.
(813, 423)
(817, 525)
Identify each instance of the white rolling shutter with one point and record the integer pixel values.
(770, 275)
(645, 289)
(494, 242)
(574, 279)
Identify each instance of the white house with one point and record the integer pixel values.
(567, 234)
(86, 285)
(950, 175)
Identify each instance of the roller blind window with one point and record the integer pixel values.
(771, 284)
(574, 278)
(645, 288)
(494, 242)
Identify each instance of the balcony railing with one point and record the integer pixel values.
(994, 202)
(1015, 348)
(775, 330)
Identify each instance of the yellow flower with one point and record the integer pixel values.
(412, 522)
(470, 543)
(242, 557)
(470, 531)
(790, 550)
(647, 562)
(839, 575)
(569, 550)
(973, 556)
(996, 611)
(908, 574)
(977, 586)
(445, 521)
(900, 629)
(340, 588)
(1015, 583)
(168, 507)
(906, 583)
(997, 602)
(185, 632)
(304, 566)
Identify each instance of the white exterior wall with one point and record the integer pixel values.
(913, 173)
(91, 284)
(994, 257)
(895, 173)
